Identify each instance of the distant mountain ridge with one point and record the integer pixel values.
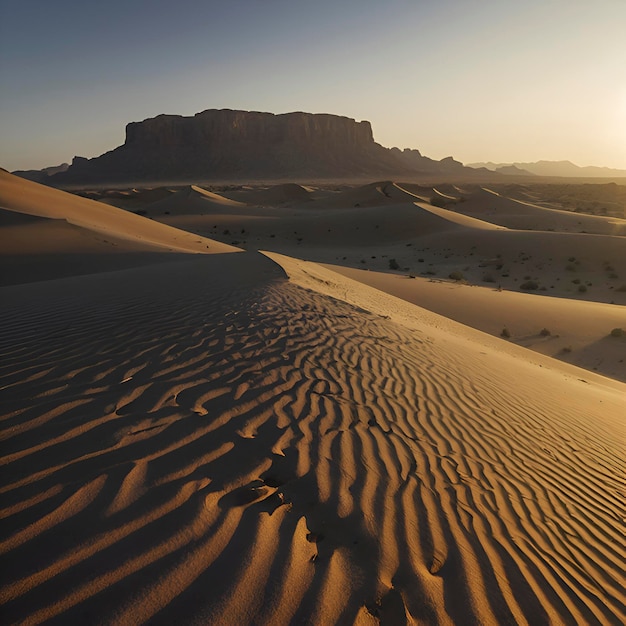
(550, 168)
(223, 144)
(40, 176)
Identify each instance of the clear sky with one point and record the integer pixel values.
(480, 80)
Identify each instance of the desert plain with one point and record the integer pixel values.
(373, 403)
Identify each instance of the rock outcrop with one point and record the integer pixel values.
(226, 144)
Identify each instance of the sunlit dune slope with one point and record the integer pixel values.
(571, 330)
(208, 442)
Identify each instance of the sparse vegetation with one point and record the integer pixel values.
(582, 288)
(393, 264)
(618, 332)
(506, 333)
(456, 275)
(529, 285)
(545, 332)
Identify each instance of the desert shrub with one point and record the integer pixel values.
(393, 264)
(488, 278)
(613, 275)
(576, 281)
(570, 268)
(226, 232)
(456, 275)
(529, 285)
(618, 332)
(566, 349)
(506, 333)
(622, 288)
(545, 332)
(582, 288)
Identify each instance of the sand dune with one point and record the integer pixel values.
(277, 195)
(572, 331)
(248, 449)
(23, 196)
(46, 234)
(192, 200)
(132, 199)
(371, 195)
(423, 238)
(514, 213)
(257, 439)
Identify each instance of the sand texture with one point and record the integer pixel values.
(248, 450)
(283, 437)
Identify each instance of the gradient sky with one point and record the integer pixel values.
(481, 80)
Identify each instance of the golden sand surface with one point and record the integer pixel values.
(254, 438)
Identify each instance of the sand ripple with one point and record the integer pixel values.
(192, 450)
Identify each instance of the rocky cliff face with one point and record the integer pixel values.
(226, 128)
(225, 144)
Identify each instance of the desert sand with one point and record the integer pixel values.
(240, 424)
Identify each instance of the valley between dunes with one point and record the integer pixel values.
(243, 428)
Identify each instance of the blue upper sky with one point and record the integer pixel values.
(478, 79)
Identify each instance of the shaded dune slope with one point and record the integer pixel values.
(373, 194)
(247, 450)
(277, 195)
(193, 199)
(515, 213)
(23, 196)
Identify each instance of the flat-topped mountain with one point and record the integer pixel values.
(226, 144)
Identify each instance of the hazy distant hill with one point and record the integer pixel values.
(552, 168)
(41, 176)
(225, 144)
